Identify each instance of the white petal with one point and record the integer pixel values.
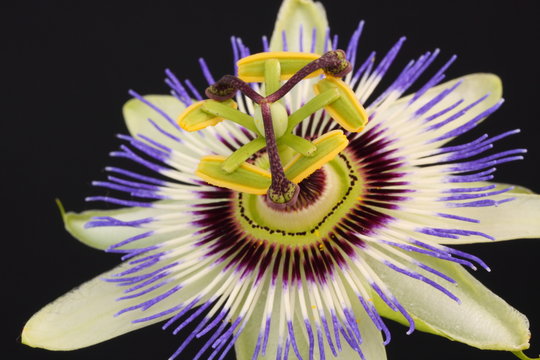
(415, 133)
(104, 236)
(136, 115)
(85, 315)
(516, 219)
(372, 347)
(291, 15)
(482, 320)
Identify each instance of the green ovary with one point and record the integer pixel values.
(311, 223)
(279, 119)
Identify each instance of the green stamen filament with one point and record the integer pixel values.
(311, 107)
(245, 152)
(298, 144)
(218, 109)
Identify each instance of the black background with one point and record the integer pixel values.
(70, 64)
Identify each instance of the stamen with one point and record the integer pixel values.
(271, 122)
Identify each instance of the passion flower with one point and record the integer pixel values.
(285, 213)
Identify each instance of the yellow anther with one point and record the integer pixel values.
(246, 178)
(346, 110)
(193, 118)
(252, 68)
(328, 146)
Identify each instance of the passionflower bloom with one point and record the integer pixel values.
(289, 209)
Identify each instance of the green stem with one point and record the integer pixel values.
(522, 356)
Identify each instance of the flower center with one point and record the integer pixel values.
(274, 126)
(325, 198)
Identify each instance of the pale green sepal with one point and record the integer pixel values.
(522, 356)
(372, 346)
(482, 320)
(85, 315)
(291, 15)
(103, 237)
(471, 88)
(136, 115)
(515, 219)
